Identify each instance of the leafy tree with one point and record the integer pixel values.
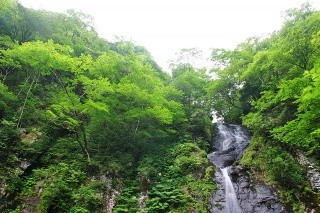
(192, 84)
(224, 91)
(303, 131)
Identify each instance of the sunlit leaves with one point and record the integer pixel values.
(103, 108)
(304, 130)
(95, 89)
(43, 57)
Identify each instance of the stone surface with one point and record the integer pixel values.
(313, 171)
(223, 158)
(253, 196)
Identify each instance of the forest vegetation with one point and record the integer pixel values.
(85, 122)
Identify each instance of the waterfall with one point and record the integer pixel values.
(237, 193)
(232, 204)
(230, 145)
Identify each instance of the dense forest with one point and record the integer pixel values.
(88, 125)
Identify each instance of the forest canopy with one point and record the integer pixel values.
(84, 120)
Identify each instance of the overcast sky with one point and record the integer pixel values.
(164, 26)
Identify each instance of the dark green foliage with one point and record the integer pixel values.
(186, 184)
(8, 147)
(127, 201)
(162, 198)
(59, 182)
(87, 198)
(274, 164)
(60, 189)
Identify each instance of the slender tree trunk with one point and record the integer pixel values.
(25, 82)
(25, 101)
(136, 129)
(83, 148)
(85, 141)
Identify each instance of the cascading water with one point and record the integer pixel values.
(232, 204)
(238, 194)
(231, 142)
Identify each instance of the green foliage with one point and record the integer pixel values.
(127, 201)
(162, 198)
(170, 186)
(95, 109)
(87, 198)
(189, 158)
(225, 91)
(59, 189)
(303, 131)
(8, 149)
(277, 166)
(110, 109)
(193, 83)
(149, 170)
(187, 183)
(272, 86)
(7, 100)
(61, 149)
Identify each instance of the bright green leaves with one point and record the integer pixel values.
(298, 41)
(311, 93)
(103, 114)
(162, 114)
(43, 57)
(192, 85)
(110, 65)
(304, 130)
(61, 112)
(144, 104)
(225, 90)
(95, 89)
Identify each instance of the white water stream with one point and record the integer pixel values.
(232, 204)
(247, 196)
(228, 137)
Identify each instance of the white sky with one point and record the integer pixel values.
(164, 26)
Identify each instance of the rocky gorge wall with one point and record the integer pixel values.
(253, 196)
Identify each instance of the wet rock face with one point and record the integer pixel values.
(313, 171)
(223, 158)
(218, 198)
(230, 144)
(253, 196)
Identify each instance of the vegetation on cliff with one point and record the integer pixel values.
(83, 119)
(85, 123)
